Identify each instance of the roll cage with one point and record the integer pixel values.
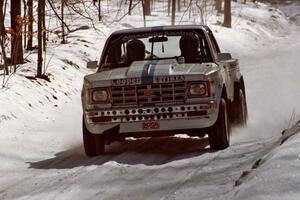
(119, 39)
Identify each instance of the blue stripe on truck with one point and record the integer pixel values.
(148, 72)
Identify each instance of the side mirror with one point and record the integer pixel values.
(224, 56)
(92, 65)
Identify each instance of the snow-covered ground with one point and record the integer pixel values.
(41, 151)
(275, 175)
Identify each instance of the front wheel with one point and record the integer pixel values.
(219, 133)
(94, 144)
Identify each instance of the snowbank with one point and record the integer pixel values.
(276, 175)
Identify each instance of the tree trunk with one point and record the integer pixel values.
(44, 27)
(41, 5)
(25, 26)
(30, 24)
(2, 28)
(169, 7)
(2, 35)
(16, 26)
(130, 7)
(144, 15)
(99, 10)
(173, 12)
(57, 14)
(218, 6)
(147, 4)
(227, 14)
(63, 22)
(178, 5)
(201, 9)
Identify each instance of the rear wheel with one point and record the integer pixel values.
(94, 144)
(219, 133)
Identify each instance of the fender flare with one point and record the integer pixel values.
(239, 85)
(224, 94)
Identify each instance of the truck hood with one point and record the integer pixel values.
(147, 70)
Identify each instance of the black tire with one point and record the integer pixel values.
(240, 109)
(94, 144)
(219, 133)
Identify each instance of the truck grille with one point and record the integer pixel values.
(149, 94)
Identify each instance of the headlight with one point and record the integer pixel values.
(100, 95)
(198, 89)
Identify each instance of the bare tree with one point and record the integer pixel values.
(25, 22)
(57, 15)
(44, 26)
(16, 33)
(227, 13)
(218, 5)
(63, 23)
(2, 18)
(173, 12)
(169, 7)
(30, 24)
(147, 7)
(130, 7)
(144, 12)
(2, 35)
(201, 5)
(99, 10)
(41, 15)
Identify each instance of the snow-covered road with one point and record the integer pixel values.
(171, 167)
(272, 78)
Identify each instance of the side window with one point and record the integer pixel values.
(204, 50)
(214, 43)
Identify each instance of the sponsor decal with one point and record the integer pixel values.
(147, 80)
(168, 79)
(128, 81)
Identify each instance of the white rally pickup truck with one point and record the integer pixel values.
(162, 81)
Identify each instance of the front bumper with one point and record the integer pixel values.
(165, 118)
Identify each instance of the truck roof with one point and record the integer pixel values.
(161, 28)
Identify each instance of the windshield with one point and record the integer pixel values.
(185, 47)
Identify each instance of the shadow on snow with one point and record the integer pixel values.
(154, 151)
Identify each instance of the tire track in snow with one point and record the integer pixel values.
(67, 159)
(110, 177)
(145, 174)
(186, 178)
